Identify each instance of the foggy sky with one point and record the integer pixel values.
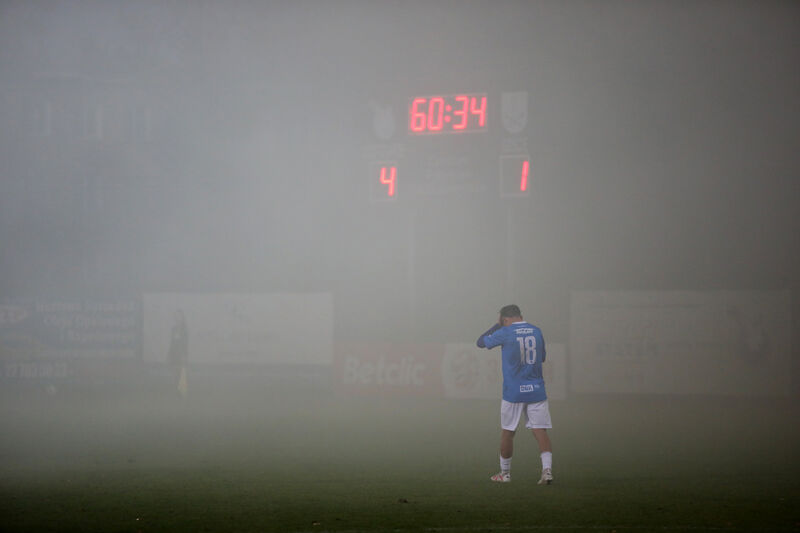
(663, 136)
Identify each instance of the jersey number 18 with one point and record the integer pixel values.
(527, 349)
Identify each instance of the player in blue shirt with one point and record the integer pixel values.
(523, 353)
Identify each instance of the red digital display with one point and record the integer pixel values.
(523, 178)
(388, 177)
(383, 180)
(453, 113)
(514, 175)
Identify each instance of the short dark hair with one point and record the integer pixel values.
(510, 310)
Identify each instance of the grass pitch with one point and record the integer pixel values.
(265, 458)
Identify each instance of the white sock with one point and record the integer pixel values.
(505, 464)
(547, 460)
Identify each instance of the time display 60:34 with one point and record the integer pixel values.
(452, 113)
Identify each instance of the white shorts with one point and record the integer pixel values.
(537, 415)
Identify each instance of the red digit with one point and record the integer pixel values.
(416, 118)
(462, 99)
(523, 180)
(436, 118)
(389, 180)
(479, 110)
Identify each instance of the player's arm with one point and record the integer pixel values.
(482, 339)
(544, 350)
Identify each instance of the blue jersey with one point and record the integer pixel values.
(523, 354)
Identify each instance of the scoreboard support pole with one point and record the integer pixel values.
(412, 274)
(510, 266)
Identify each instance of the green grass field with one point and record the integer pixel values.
(231, 458)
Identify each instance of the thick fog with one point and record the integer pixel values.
(242, 275)
(225, 148)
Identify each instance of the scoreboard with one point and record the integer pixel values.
(448, 143)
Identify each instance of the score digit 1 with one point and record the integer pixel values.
(515, 175)
(383, 181)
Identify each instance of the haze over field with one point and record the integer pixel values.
(317, 190)
(236, 139)
(224, 159)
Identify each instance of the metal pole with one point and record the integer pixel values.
(412, 277)
(510, 270)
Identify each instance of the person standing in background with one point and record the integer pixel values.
(179, 351)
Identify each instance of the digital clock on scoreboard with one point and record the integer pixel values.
(452, 143)
(455, 113)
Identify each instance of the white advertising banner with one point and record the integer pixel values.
(681, 342)
(241, 328)
(472, 372)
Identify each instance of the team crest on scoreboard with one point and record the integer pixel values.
(514, 111)
(383, 122)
